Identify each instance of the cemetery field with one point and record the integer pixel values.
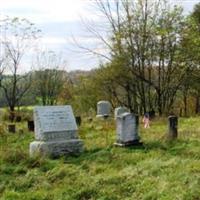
(159, 170)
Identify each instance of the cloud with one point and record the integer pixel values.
(53, 40)
(40, 11)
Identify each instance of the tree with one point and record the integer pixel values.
(196, 14)
(50, 78)
(191, 56)
(17, 37)
(144, 37)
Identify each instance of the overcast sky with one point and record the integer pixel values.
(59, 20)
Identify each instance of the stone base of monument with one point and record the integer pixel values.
(128, 144)
(56, 148)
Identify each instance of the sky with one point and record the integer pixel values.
(60, 22)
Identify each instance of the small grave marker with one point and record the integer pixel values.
(78, 120)
(172, 127)
(30, 124)
(103, 109)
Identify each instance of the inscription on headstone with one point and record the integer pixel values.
(54, 123)
(56, 128)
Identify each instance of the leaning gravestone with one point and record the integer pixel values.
(119, 111)
(127, 130)
(103, 109)
(56, 132)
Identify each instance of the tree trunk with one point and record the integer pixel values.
(159, 103)
(197, 106)
(185, 104)
(12, 113)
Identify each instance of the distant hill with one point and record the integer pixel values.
(76, 74)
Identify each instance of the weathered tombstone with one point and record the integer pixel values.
(30, 124)
(127, 130)
(119, 111)
(78, 120)
(11, 128)
(103, 109)
(56, 132)
(172, 127)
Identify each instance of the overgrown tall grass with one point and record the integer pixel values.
(160, 170)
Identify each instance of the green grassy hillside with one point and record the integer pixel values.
(161, 170)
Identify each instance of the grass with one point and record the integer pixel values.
(160, 170)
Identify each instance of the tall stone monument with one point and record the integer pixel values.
(103, 109)
(127, 130)
(56, 132)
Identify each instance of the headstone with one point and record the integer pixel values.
(30, 124)
(127, 130)
(78, 120)
(103, 109)
(11, 128)
(119, 111)
(172, 127)
(56, 132)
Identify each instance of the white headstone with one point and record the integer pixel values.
(119, 111)
(127, 129)
(54, 123)
(56, 132)
(103, 108)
